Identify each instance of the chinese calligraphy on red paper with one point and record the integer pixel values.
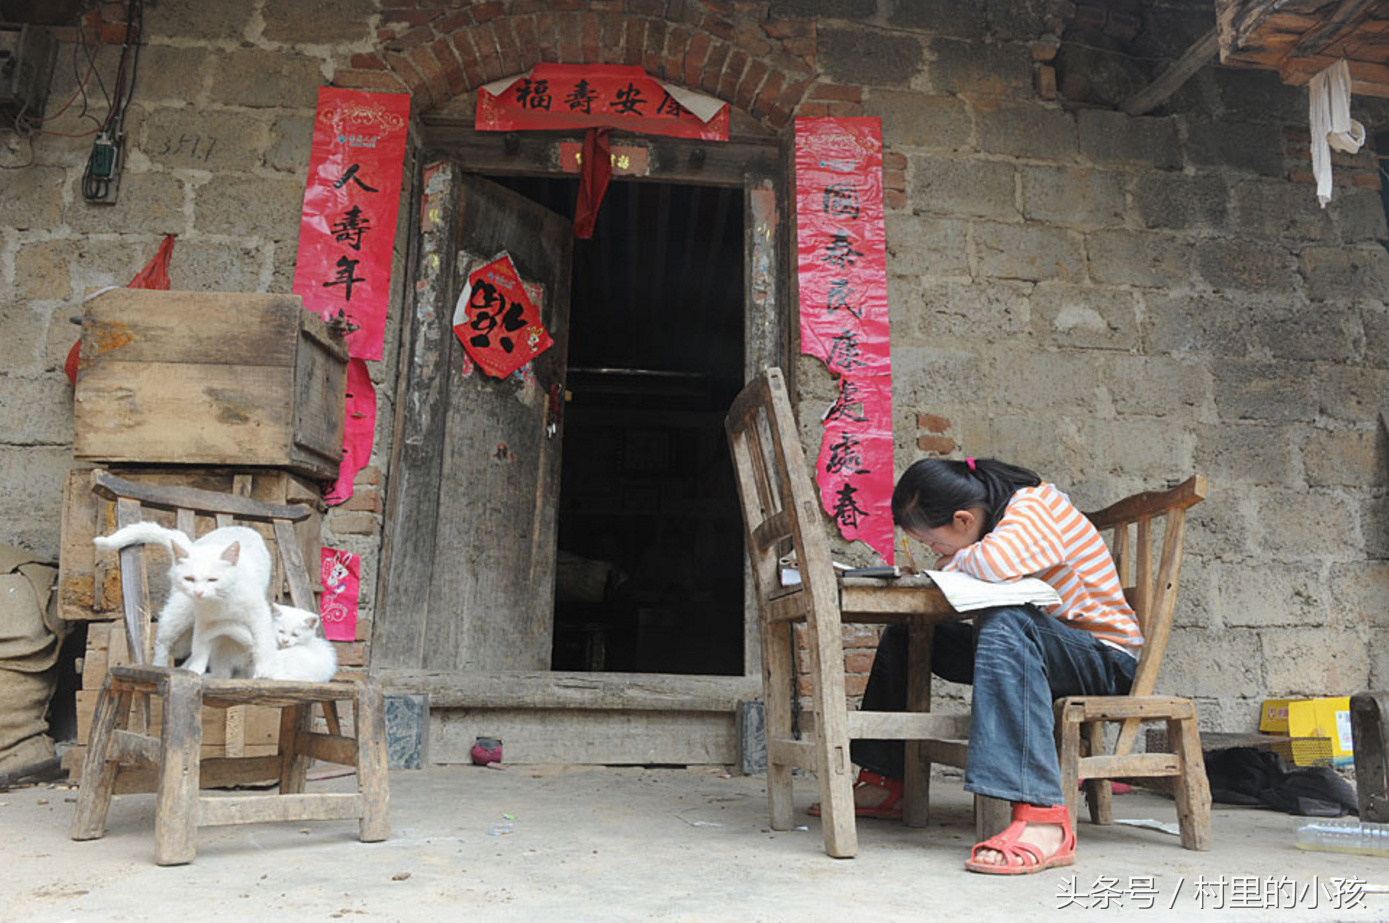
(496, 320)
(559, 96)
(351, 200)
(842, 273)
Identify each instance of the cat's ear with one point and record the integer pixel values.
(177, 550)
(311, 622)
(233, 553)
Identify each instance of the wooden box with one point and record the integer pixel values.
(243, 730)
(89, 583)
(209, 378)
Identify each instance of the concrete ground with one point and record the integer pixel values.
(615, 844)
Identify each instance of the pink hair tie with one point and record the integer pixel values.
(969, 460)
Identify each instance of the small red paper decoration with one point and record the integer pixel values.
(496, 321)
(341, 572)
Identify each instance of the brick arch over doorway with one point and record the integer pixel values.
(766, 69)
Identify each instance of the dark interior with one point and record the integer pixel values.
(650, 571)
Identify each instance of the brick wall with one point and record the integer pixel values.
(762, 66)
(1115, 301)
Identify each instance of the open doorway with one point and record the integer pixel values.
(649, 575)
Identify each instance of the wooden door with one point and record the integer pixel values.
(470, 543)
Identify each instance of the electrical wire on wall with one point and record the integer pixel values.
(102, 172)
(109, 129)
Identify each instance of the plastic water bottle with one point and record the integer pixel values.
(1344, 835)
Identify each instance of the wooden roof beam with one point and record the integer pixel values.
(1341, 23)
(1171, 80)
(1367, 77)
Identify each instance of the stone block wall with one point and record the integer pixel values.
(217, 148)
(1115, 301)
(1120, 302)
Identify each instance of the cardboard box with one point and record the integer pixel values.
(1324, 719)
(209, 378)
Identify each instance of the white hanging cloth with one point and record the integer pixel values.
(1332, 126)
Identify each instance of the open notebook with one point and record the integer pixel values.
(966, 593)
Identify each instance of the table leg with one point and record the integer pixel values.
(917, 782)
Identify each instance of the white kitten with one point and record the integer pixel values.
(303, 654)
(217, 588)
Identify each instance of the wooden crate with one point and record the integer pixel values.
(244, 730)
(89, 584)
(209, 378)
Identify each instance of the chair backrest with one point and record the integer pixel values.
(781, 510)
(188, 504)
(1148, 529)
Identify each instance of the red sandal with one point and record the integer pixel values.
(1030, 856)
(890, 808)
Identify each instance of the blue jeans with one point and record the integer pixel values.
(1023, 659)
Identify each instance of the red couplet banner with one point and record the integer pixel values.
(842, 272)
(576, 96)
(359, 430)
(351, 200)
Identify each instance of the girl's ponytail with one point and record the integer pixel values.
(1000, 481)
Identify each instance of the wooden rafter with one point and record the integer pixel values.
(1300, 38)
(1342, 22)
(1171, 80)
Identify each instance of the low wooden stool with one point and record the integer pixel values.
(121, 742)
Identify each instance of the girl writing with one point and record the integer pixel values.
(999, 522)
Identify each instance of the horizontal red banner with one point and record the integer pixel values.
(570, 96)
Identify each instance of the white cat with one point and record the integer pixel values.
(300, 653)
(303, 654)
(218, 588)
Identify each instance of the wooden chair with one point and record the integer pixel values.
(1080, 720)
(781, 511)
(121, 745)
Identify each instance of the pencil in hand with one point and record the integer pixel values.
(911, 563)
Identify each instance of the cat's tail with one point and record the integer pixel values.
(141, 533)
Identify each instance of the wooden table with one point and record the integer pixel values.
(916, 602)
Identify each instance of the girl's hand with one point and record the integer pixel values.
(943, 560)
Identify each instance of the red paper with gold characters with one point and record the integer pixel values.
(496, 320)
(577, 96)
(842, 273)
(351, 200)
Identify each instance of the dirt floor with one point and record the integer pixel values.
(615, 844)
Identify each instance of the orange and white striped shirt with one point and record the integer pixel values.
(1041, 534)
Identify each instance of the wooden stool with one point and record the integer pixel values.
(1080, 720)
(122, 752)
